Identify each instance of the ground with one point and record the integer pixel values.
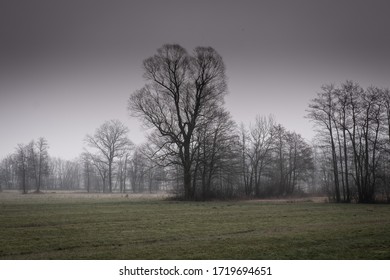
(98, 226)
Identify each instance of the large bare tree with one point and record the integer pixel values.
(110, 142)
(182, 92)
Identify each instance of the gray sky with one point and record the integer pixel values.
(68, 66)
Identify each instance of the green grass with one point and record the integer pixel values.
(114, 227)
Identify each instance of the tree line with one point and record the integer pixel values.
(27, 167)
(354, 141)
(195, 149)
(31, 169)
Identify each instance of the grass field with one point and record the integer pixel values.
(81, 226)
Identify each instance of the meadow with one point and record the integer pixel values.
(97, 226)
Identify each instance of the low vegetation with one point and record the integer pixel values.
(83, 226)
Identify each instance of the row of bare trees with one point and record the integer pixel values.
(275, 162)
(262, 160)
(30, 168)
(119, 164)
(27, 167)
(354, 141)
(112, 163)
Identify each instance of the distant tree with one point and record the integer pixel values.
(21, 158)
(182, 91)
(261, 137)
(38, 158)
(30, 164)
(110, 142)
(246, 170)
(122, 173)
(32, 161)
(2, 175)
(42, 161)
(299, 161)
(99, 163)
(8, 172)
(280, 160)
(70, 179)
(87, 170)
(137, 166)
(273, 160)
(64, 174)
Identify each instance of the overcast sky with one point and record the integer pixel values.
(68, 66)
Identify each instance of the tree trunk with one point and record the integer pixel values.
(110, 176)
(24, 182)
(188, 193)
(188, 190)
(348, 198)
(334, 159)
(341, 163)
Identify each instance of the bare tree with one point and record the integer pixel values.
(384, 173)
(64, 174)
(246, 174)
(38, 161)
(123, 171)
(321, 111)
(21, 158)
(299, 161)
(262, 143)
(111, 142)
(216, 145)
(280, 159)
(99, 163)
(8, 169)
(137, 170)
(342, 107)
(182, 91)
(87, 170)
(145, 173)
(43, 160)
(386, 104)
(370, 128)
